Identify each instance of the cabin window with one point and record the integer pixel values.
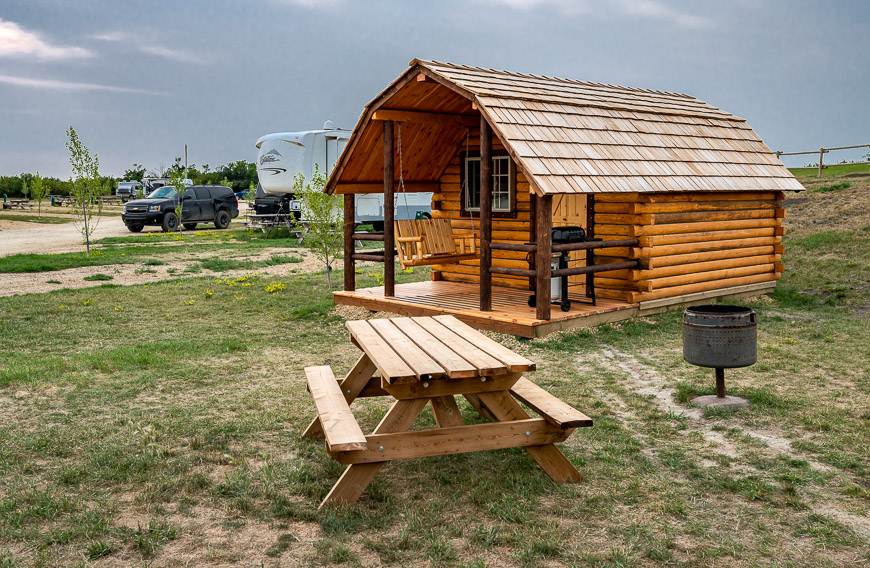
(502, 184)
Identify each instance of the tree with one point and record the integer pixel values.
(177, 181)
(134, 173)
(323, 220)
(38, 191)
(86, 186)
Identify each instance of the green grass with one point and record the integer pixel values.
(126, 250)
(226, 264)
(161, 423)
(99, 276)
(34, 219)
(830, 188)
(831, 171)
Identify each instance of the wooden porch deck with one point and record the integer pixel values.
(510, 311)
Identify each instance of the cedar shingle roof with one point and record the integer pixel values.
(577, 137)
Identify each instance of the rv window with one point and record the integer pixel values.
(502, 184)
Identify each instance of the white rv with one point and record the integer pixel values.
(284, 155)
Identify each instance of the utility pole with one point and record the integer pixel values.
(185, 159)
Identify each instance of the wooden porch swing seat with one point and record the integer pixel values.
(432, 241)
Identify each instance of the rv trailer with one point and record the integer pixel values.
(284, 155)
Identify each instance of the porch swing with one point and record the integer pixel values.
(421, 242)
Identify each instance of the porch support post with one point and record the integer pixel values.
(533, 217)
(349, 225)
(543, 238)
(485, 215)
(590, 234)
(389, 213)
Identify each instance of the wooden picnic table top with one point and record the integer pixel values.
(424, 348)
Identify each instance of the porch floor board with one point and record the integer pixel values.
(510, 311)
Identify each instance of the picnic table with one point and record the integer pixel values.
(430, 360)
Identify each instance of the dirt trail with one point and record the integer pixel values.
(646, 381)
(45, 237)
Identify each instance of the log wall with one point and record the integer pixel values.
(689, 242)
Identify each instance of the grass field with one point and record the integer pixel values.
(160, 424)
(45, 219)
(139, 249)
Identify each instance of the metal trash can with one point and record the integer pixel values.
(720, 336)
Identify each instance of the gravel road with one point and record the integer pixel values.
(38, 237)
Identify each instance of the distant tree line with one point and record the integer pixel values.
(238, 175)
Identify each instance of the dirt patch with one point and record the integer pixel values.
(130, 274)
(646, 381)
(812, 211)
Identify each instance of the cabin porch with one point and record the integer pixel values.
(510, 311)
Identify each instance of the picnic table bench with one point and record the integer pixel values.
(429, 360)
(16, 203)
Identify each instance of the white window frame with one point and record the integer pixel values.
(502, 183)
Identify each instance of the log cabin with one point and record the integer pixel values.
(557, 203)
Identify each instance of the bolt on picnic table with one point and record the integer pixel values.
(428, 360)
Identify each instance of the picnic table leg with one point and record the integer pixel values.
(446, 412)
(354, 382)
(357, 476)
(481, 409)
(549, 458)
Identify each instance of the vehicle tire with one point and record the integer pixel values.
(170, 222)
(189, 226)
(222, 219)
(135, 227)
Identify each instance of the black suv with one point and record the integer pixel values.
(200, 204)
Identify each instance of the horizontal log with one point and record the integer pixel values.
(587, 245)
(368, 256)
(670, 197)
(668, 250)
(455, 440)
(696, 267)
(673, 228)
(615, 284)
(623, 295)
(646, 213)
(594, 268)
(368, 236)
(706, 276)
(520, 247)
(683, 259)
(688, 206)
(441, 118)
(686, 196)
(512, 271)
(635, 297)
(680, 238)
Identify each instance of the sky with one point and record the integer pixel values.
(139, 79)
